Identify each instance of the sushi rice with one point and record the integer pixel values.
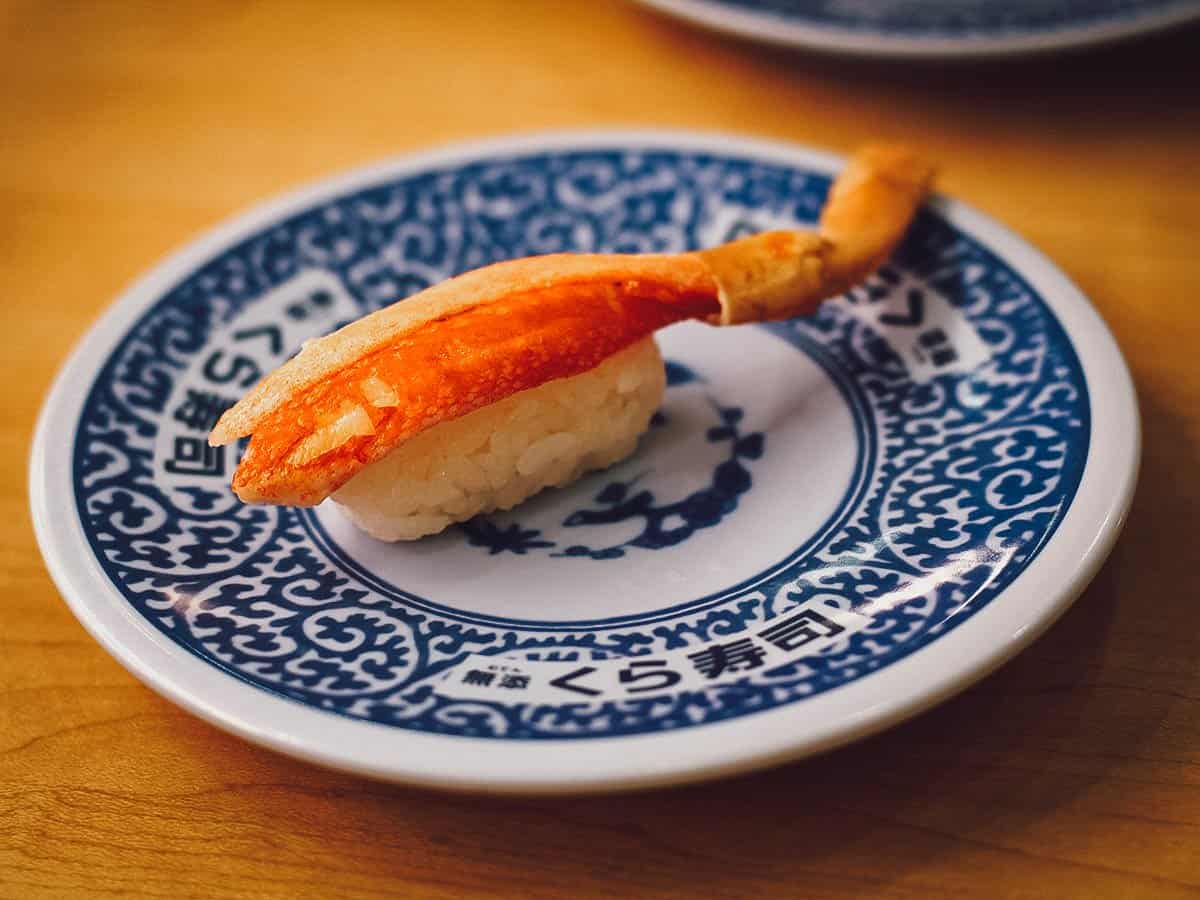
(499, 455)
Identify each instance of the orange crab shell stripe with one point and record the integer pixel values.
(492, 332)
(326, 355)
(446, 369)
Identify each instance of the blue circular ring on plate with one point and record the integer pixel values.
(863, 465)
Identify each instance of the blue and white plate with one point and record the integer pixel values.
(934, 28)
(832, 524)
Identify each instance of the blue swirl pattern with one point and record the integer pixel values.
(663, 524)
(975, 471)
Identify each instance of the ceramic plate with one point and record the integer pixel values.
(934, 28)
(832, 523)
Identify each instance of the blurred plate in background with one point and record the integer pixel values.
(934, 28)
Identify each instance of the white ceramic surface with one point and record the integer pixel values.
(835, 523)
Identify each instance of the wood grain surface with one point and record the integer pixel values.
(1073, 772)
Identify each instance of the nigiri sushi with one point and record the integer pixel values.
(480, 391)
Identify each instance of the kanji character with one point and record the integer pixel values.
(193, 456)
(517, 682)
(938, 344)
(479, 677)
(735, 656)
(201, 409)
(795, 631)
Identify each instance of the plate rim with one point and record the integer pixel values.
(991, 636)
(780, 32)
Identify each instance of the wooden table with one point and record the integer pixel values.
(1073, 772)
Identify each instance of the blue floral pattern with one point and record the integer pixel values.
(665, 524)
(973, 474)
